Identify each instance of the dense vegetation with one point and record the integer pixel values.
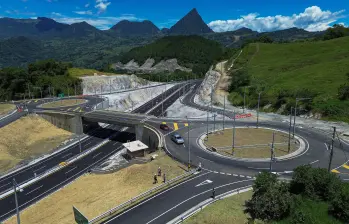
(44, 77)
(169, 77)
(284, 72)
(193, 52)
(313, 196)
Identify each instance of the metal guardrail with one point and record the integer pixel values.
(143, 195)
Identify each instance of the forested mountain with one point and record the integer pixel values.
(193, 52)
(191, 23)
(128, 28)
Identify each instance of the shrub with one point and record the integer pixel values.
(339, 207)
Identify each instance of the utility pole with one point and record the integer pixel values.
(207, 124)
(224, 113)
(188, 144)
(244, 99)
(109, 85)
(214, 122)
(332, 148)
(272, 152)
(162, 103)
(259, 100)
(16, 200)
(76, 99)
(294, 118)
(289, 131)
(233, 131)
(101, 88)
(79, 135)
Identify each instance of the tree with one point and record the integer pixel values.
(343, 92)
(336, 31)
(239, 78)
(271, 199)
(339, 207)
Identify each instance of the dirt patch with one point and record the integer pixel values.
(26, 138)
(94, 194)
(251, 142)
(64, 103)
(6, 108)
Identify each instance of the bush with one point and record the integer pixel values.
(239, 78)
(343, 92)
(314, 183)
(271, 199)
(339, 206)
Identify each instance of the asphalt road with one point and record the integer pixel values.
(44, 187)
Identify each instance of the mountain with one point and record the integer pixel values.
(43, 27)
(291, 34)
(130, 28)
(191, 23)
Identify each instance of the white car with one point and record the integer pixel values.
(177, 138)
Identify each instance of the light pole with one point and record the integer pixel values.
(272, 152)
(188, 144)
(295, 113)
(233, 131)
(244, 99)
(207, 124)
(289, 131)
(214, 122)
(224, 113)
(16, 200)
(259, 100)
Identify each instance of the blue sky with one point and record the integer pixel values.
(220, 15)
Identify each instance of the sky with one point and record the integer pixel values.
(220, 15)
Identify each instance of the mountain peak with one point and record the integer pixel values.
(191, 23)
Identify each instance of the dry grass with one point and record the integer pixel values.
(249, 137)
(28, 137)
(64, 103)
(94, 194)
(227, 211)
(6, 108)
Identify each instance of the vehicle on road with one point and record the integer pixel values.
(164, 127)
(177, 138)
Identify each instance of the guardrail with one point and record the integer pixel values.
(202, 205)
(141, 196)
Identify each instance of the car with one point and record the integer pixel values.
(164, 127)
(177, 138)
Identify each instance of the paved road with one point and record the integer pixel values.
(45, 186)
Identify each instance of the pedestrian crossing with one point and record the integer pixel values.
(176, 125)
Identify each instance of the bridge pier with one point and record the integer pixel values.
(139, 129)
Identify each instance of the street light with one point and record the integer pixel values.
(295, 113)
(16, 200)
(259, 100)
(188, 144)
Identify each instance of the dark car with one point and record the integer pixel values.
(164, 127)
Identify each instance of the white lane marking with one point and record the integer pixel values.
(5, 185)
(204, 182)
(39, 169)
(96, 155)
(65, 156)
(88, 143)
(314, 162)
(258, 168)
(248, 177)
(229, 174)
(192, 198)
(215, 172)
(154, 197)
(326, 146)
(71, 170)
(34, 190)
(223, 173)
(235, 175)
(242, 176)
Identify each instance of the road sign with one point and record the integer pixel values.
(205, 182)
(79, 217)
(61, 95)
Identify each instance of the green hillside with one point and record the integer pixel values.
(193, 52)
(286, 71)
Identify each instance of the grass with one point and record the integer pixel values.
(94, 194)
(317, 67)
(80, 72)
(6, 108)
(64, 103)
(26, 138)
(249, 137)
(227, 211)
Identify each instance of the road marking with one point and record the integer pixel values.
(71, 170)
(88, 143)
(96, 155)
(235, 175)
(186, 124)
(204, 182)
(34, 190)
(115, 143)
(346, 166)
(69, 109)
(63, 157)
(29, 102)
(76, 109)
(335, 171)
(5, 185)
(163, 122)
(36, 101)
(229, 174)
(175, 125)
(215, 172)
(258, 168)
(326, 146)
(39, 169)
(314, 162)
(242, 176)
(222, 173)
(248, 177)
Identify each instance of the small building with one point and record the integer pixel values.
(136, 148)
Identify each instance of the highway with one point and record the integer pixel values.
(53, 182)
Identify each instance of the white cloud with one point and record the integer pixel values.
(56, 14)
(88, 12)
(102, 5)
(87, 5)
(102, 23)
(312, 19)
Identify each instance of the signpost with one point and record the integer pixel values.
(61, 95)
(79, 217)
